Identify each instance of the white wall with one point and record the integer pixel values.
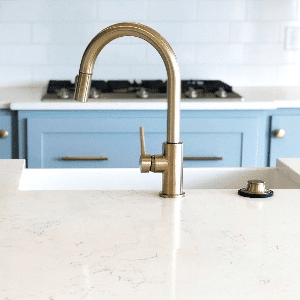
(241, 42)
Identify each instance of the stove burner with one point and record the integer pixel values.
(120, 86)
(100, 85)
(196, 90)
(55, 85)
(154, 86)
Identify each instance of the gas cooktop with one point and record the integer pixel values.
(192, 90)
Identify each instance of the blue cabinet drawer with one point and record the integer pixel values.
(52, 141)
(77, 142)
(212, 149)
(220, 142)
(6, 141)
(203, 149)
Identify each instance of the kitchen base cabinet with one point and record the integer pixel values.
(68, 139)
(110, 139)
(284, 136)
(6, 135)
(219, 142)
(86, 142)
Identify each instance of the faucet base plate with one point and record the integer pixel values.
(172, 196)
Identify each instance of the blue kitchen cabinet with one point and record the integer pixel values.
(48, 139)
(6, 134)
(289, 144)
(52, 141)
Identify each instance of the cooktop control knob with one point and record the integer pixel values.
(221, 93)
(94, 93)
(63, 93)
(191, 93)
(142, 93)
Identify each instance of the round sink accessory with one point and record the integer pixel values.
(256, 189)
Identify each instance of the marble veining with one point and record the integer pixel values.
(212, 244)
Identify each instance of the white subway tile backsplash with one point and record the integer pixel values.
(62, 33)
(69, 32)
(185, 54)
(268, 54)
(220, 54)
(148, 72)
(275, 10)
(199, 71)
(124, 11)
(255, 32)
(112, 72)
(65, 54)
(153, 57)
(288, 75)
(47, 10)
(169, 10)
(204, 32)
(119, 54)
(20, 11)
(44, 73)
(256, 75)
(13, 75)
(221, 10)
(23, 54)
(15, 33)
(238, 41)
(296, 57)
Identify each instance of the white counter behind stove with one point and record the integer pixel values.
(256, 98)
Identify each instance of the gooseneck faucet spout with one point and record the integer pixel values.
(170, 162)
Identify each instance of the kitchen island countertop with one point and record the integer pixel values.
(255, 98)
(211, 244)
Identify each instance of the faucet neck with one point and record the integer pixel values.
(92, 51)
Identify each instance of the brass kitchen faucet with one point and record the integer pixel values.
(170, 163)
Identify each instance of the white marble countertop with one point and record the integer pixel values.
(212, 244)
(256, 98)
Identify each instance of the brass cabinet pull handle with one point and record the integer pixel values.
(189, 158)
(3, 134)
(83, 158)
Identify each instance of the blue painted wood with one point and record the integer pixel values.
(289, 146)
(6, 143)
(118, 138)
(48, 139)
(260, 147)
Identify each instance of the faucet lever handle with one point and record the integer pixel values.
(142, 140)
(145, 159)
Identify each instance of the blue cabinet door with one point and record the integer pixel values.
(6, 142)
(51, 140)
(289, 145)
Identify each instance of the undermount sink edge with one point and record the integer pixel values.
(132, 179)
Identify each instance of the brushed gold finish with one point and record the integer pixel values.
(279, 133)
(3, 134)
(145, 159)
(255, 189)
(170, 162)
(159, 43)
(204, 158)
(85, 158)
